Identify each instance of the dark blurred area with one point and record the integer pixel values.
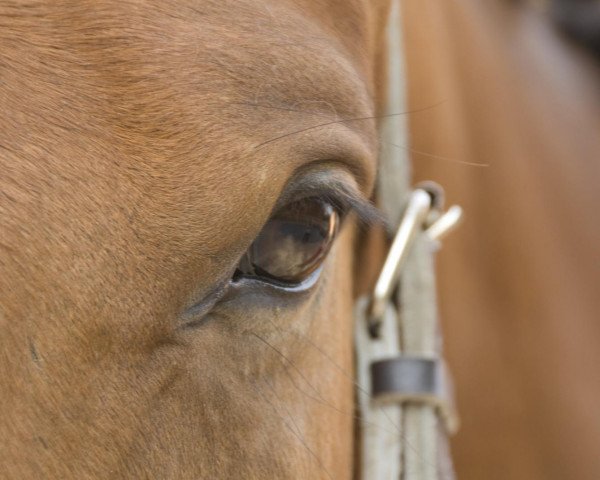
(581, 20)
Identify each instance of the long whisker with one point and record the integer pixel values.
(282, 404)
(338, 367)
(332, 122)
(365, 392)
(361, 390)
(322, 114)
(318, 113)
(319, 398)
(325, 403)
(439, 157)
(296, 434)
(347, 376)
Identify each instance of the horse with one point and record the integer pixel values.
(155, 322)
(514, 139)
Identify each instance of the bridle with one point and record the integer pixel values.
(404, 392)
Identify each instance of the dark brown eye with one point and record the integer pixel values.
(293, 243)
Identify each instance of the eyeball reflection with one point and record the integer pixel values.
(293, 243)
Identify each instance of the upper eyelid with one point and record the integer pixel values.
(329, 186)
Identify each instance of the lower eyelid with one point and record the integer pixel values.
(303, 286)
(198, 314)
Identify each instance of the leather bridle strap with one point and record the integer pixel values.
(404, 396)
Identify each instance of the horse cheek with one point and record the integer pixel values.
(333, 430)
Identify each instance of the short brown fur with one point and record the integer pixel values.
(131, 184)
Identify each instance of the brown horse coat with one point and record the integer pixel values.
(519, 280)
(140, 156)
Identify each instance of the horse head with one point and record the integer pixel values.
(181, 184)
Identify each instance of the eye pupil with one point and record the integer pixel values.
(293, 243)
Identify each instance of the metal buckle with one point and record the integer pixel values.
(419, 210)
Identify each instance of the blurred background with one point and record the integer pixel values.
(506, 97)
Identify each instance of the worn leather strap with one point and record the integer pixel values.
(405, 439)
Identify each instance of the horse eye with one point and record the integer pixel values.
(292, 244)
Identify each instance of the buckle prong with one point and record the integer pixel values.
(415, 215)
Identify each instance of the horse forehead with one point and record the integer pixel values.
(289, 53)
(272, 68)
(169, 70)
(284, 52)
(238, 81)
(191, 80)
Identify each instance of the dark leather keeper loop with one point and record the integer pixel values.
(405, 378)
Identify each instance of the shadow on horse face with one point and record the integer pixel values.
(143, 150)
